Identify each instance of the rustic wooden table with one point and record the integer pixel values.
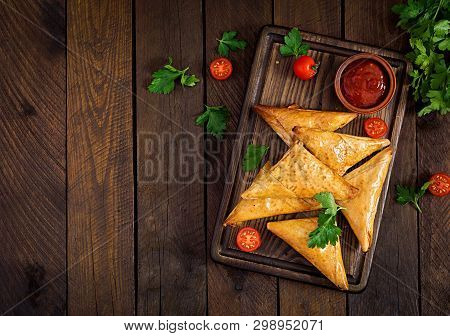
(82, 229)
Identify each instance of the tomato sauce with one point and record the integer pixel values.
(363, 83)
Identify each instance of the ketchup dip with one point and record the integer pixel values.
(363, 83)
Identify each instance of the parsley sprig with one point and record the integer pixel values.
(327, 232)
(428, 25)
(230, 42)
(293, 44)
(216, 119)
(163, 80)
(253, 156)
(407, 195)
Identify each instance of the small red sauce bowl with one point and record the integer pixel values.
(390, 85)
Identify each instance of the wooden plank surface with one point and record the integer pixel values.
(100, 158)
(321, 17)
(298, 298)
(374, 23)
(433, 157)
(232, 291)
(393, 283)
(32, 158)
(171, 232)
(172, 225)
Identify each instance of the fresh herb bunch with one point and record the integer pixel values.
(327, 232)
(427, 22)
(163, 80)
(216, 119)
(293, 45)
(253, 156)
(410, 194)
(230, 42)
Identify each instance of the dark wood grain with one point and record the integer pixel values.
(374, 23)
(433, 157)
(232, 291)
(393, 286)
(100, 158)
(67, 198)
(171, 232)
(323, 17)
(32, 158)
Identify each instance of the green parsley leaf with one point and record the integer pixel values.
(216, 118)
(407, 12)
(189, 80)
(423, 189)
(441, 28)
(293, 44)
(404, 194)
(163, 80)
(326, 199)
(444, 44)
(440, 75)
(407, 195)
(253, 156)
(327, 231)
(230, 42)
(428, 24)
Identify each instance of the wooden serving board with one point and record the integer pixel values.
(272, 82)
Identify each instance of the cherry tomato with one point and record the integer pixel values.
(440, 184)
(248, 239)
(221, 68)
(375, 127)
(305, 67)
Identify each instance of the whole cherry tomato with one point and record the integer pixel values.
(305, 67)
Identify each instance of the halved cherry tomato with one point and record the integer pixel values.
(248, 239)
(305, 67)
(375, 127)
(440, 184)
(221, 68)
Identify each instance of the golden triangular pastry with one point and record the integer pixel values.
(248, 209)
(283, 119)
(266, 180)
(338, 151)
(299, 175)
(327, 260)
(361, 210)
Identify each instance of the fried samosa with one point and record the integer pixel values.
(283, 119)
(299, 174)
(328, 260)
(248, 209)
(338, 151)
(361, 210)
